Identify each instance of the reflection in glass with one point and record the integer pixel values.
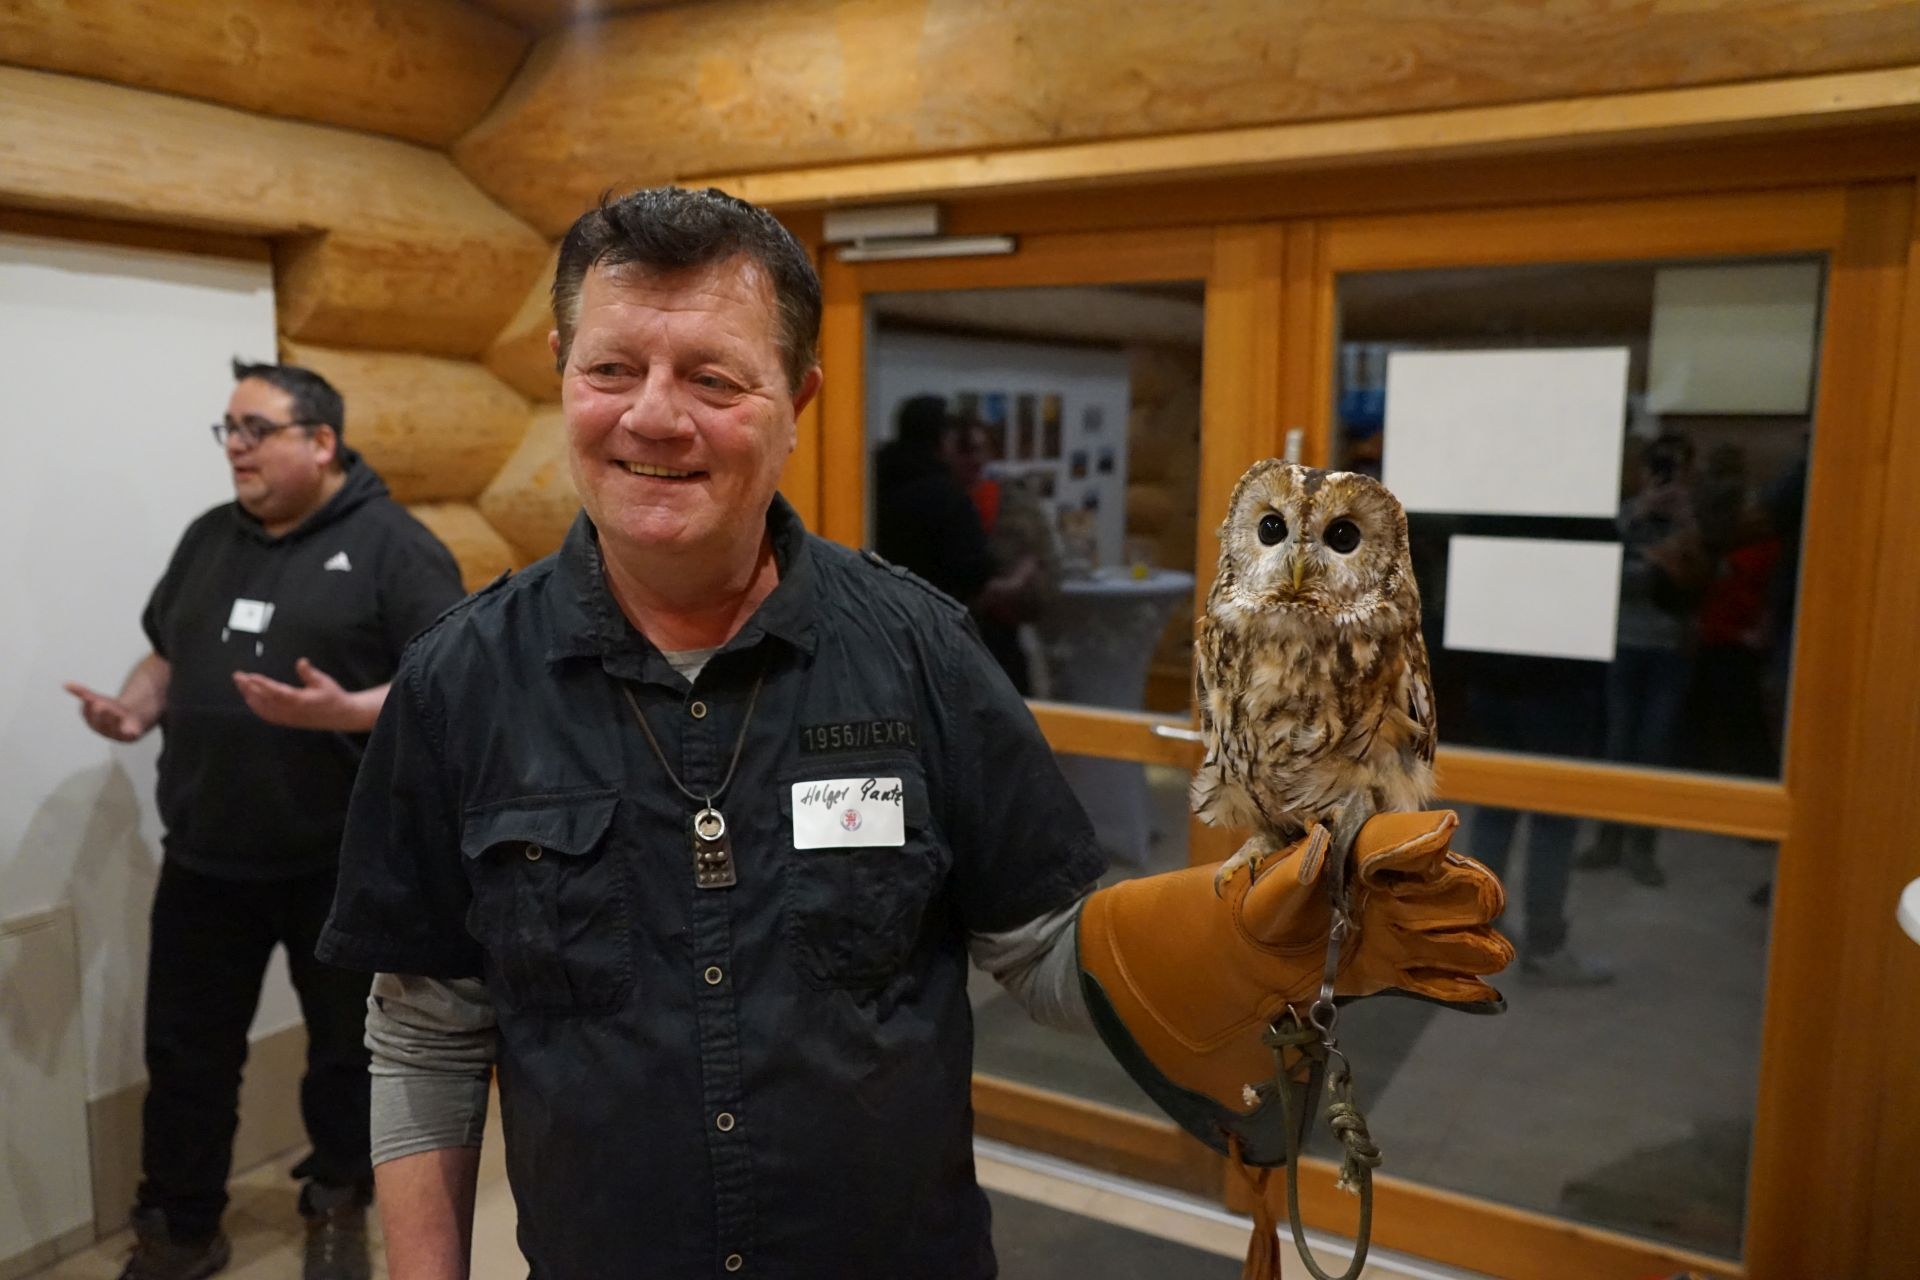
(1619, 1087)
(1007, 1043)
(1708, 521)
(1035, 454)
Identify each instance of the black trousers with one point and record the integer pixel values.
(211, 941)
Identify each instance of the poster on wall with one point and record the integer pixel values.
(1050, 426)
(1025, 434)
(1541, 597)
(1526, 432)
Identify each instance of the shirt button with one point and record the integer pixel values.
(724, 1122)
(698, 710)
(533, 853)
(735, 1262)
(713, 975)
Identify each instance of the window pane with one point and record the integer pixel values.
(1035, 454)
(1680, 656)
(1619, 1087)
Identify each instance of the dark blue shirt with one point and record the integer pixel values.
(775, 1074)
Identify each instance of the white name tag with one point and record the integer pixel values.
(250, 615)
(841, 813)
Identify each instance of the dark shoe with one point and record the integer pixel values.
(158, 1256)
(1604, 852)
(1642, 869)
(336, 1233)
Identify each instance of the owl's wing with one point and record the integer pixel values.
(1206, 666)
(1417, 683)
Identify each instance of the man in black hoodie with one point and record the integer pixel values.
(275, 631)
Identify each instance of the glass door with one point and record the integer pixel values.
(1641, 443)
(1612, 427)
(1039, 435)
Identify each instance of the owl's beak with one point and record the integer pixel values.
(1298, 564)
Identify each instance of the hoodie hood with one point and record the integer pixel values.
(362, 485)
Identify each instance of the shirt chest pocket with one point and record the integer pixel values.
(550, 902)
(854, 912)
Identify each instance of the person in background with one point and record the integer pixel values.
(925, 520)
(1661, 579)
(274, 633)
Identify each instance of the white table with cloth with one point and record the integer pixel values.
(1098, 639)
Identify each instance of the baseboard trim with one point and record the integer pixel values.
(46, 1253)
(270, 1125)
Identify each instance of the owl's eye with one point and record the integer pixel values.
(1342, 535)
(1272, 529)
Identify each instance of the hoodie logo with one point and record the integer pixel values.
(340, 562)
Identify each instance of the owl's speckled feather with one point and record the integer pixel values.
(1313, 683)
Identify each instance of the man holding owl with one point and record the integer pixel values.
(690, 831)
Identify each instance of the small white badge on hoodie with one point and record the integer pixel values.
(340, 562)
(251, 616)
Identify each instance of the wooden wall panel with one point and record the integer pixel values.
(1893, 731)
(401, 249)
(742, 85)
(482, 553)
(435, 429)
(532, 502)
(424, 70)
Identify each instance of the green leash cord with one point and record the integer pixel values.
(1348, 1124)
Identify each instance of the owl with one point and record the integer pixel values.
(1315, 700)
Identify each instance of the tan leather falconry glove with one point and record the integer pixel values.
(1182, 982)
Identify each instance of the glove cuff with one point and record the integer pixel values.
(1261, 1132)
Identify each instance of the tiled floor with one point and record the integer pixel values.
(1051, 1222)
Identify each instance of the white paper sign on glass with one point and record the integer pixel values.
(1525, 433)
(1543, 597)
(1737, 338)
(843, 813)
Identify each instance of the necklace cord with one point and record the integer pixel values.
(739, 743)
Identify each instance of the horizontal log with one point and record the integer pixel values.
(736, 86)
(482, 553)
(520, 356)
(385, 243)
(424, 70)
(532, 501)
(544, 15)
(435, 429)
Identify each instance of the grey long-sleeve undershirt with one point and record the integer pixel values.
(433, 1041)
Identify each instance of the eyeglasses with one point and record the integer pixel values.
(251, 430)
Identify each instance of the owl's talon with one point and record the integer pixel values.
(1250, 855)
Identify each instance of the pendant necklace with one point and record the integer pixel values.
(713, 866)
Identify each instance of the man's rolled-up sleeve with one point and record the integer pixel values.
(402, 899)
(433, 1046)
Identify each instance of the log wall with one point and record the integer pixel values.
(738, 86)
(424, 70)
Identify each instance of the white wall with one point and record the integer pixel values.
(113, 362)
